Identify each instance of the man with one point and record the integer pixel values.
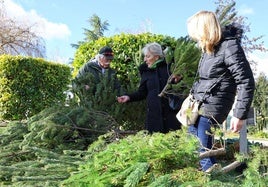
(97, 68)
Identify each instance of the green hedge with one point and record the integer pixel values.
(28, 85)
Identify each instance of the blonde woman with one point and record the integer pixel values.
(224, 64)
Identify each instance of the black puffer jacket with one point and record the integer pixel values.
(229, 57)
(160, 117)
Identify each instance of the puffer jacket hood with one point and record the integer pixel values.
(233, 30)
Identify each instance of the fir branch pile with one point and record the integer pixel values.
(44, 150)
(140, 160)
(167, 160)
(78, 146)
(29, 156)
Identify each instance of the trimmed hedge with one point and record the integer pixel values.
(28, 85)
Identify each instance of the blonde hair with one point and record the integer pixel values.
(205, 28)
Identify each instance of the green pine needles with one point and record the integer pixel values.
(114, 159)
(138, 160)
(184, 62)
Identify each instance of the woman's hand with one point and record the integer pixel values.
(236, 124)
(175, 79)
(123, 99)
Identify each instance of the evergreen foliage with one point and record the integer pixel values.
(101, 96)
(186, 58)
(115, 159)
(46, 149)
(260, 101)
(257, 172)
(156, 160)
(137, 160)
(61, 127)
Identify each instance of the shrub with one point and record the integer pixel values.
(28, 85)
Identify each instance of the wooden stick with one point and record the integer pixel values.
(210, 153)
(230, 167)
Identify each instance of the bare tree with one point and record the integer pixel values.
(227, 14)
(18, 38)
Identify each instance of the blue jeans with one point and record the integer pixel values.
(202, 126)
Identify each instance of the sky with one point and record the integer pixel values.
(62, 22)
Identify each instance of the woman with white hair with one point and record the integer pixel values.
(154, 76)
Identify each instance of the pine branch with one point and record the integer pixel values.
(135, 176)
(40, 178)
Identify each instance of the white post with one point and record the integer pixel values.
(243, 141)
(224, 126)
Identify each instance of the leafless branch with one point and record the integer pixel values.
(18, 38)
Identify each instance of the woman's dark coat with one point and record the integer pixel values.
(229, 57)
(160, 117)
